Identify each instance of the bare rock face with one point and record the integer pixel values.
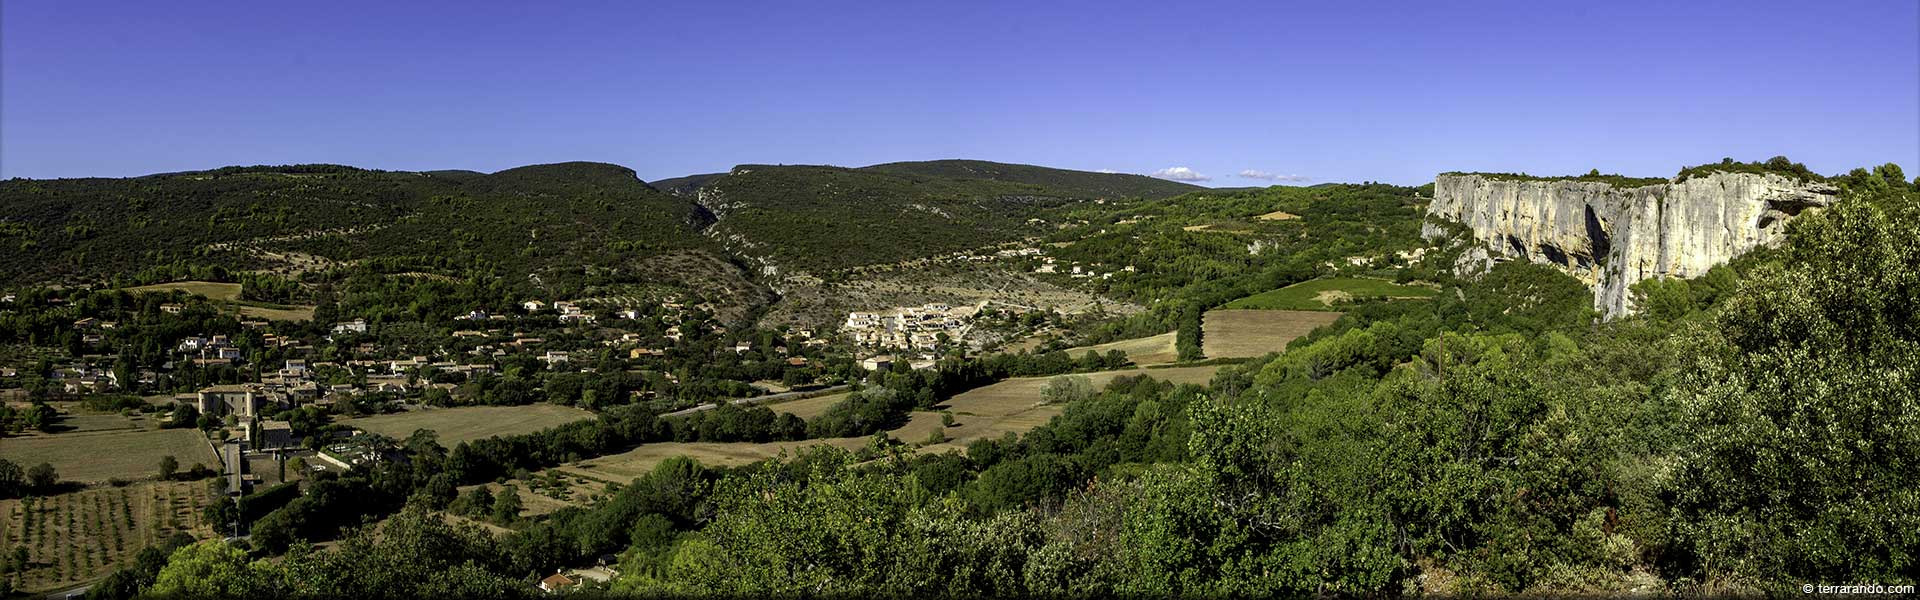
(1611, 237)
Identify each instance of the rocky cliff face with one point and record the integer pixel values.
(1611, 237)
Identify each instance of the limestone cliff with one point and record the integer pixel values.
(1612, 237)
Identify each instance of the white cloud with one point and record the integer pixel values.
(1107, 171)
(1180, 174)
(1258, 174)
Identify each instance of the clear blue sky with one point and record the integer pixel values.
(1323, 90)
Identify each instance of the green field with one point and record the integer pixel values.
(468, 423)
(1323, 294)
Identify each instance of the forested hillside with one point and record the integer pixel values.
(555, 221)
(1113, 186)
(811, 219)
(569, 222)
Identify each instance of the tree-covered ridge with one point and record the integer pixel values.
(573, 221)
(1778, 165)
(1088, 184)
(808, 218)
(1593, 176)
(683, 186)
(547, 219)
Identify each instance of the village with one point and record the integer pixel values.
(270, 386)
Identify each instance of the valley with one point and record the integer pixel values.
(1022, 338)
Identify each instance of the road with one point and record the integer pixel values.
(78, 592)
(769, 398)
(236, 468)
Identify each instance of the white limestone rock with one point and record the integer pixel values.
(1611, 238)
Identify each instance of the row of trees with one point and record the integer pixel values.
(16, 482)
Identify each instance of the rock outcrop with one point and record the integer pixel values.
(1613, 237)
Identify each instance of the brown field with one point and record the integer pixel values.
(807, 408)
(1013, 406)
(992, 411)
(296, 313)
(100, 456)
(79, 537)
(623, 467)
(1249, 333)
(212, 290)
(468, 423)
(1152, 350)
(230, 293)
(1278, 215)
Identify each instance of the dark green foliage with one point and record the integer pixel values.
(1083, 184)
(862, 413)
(128, 582)
(258, 504)
(413, 554)
(646, 515)
(1518, 296)
(1593, 176)
(1187, 335)
(1778, 165)
(1799, 468)
(13, 479)
(547, 219)
(799, 216)
(42, 477)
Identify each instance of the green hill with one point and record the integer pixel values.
(812, 218)
(549, 220)
(557, 223)
(681, 186)
(1086, 184)
(801, 218)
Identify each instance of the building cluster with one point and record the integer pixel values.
(1049, 265)
(911, 327)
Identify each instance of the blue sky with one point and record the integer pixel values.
(1322, 91)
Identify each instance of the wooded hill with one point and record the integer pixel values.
(568, 222)
(532, 220)
(798, 218)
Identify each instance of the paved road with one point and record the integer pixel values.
(72, 593)
(762, 400)
(236, 467)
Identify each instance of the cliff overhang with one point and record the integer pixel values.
(1611, 237)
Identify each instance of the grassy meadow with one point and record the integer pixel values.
(469, 423)
(1324, 294)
